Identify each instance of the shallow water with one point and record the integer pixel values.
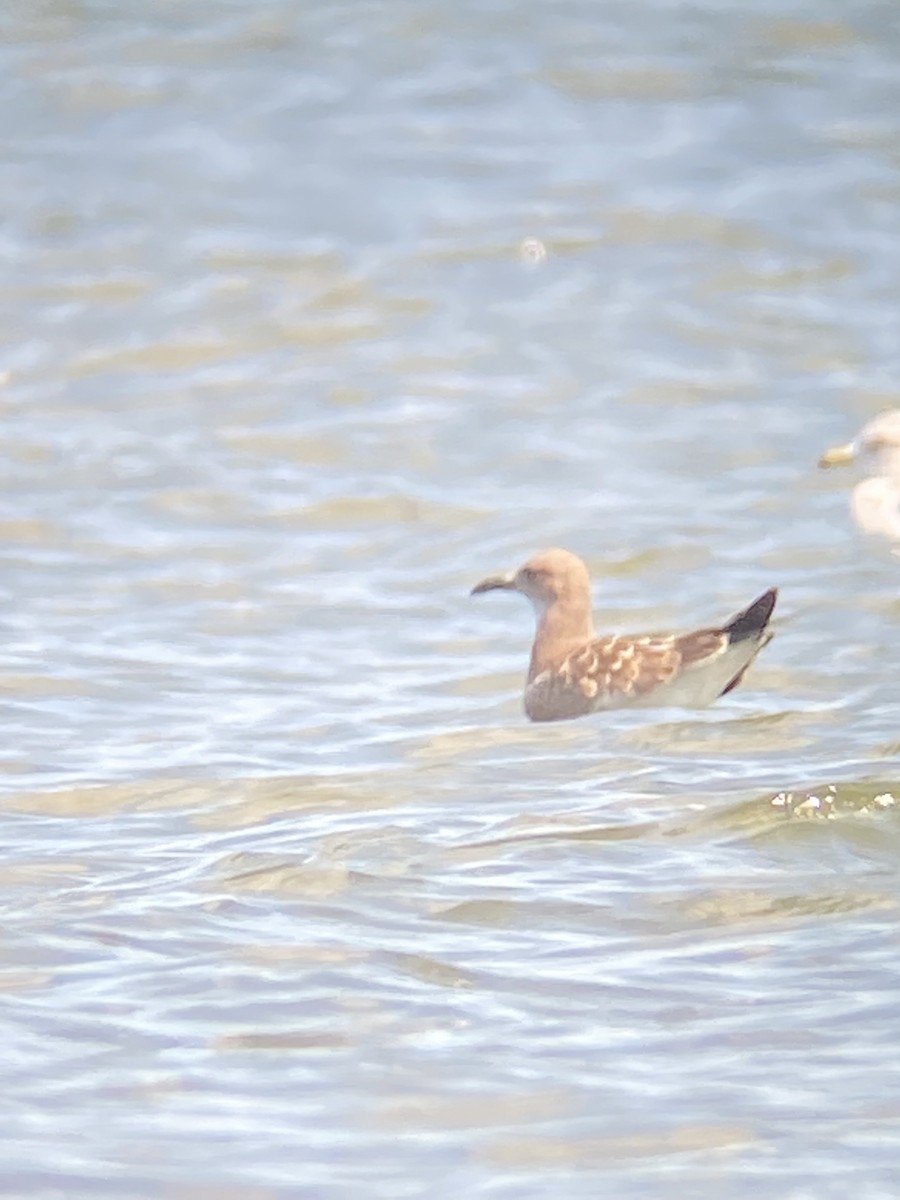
(295, 901)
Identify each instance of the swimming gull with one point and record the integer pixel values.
(875, 502)
(573, 672)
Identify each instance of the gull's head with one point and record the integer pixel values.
(880, 440)
(550, 577)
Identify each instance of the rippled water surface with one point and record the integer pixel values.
(295, 901)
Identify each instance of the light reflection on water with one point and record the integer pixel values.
(295, 902)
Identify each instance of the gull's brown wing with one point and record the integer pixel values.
(632, 667)
(618, 669)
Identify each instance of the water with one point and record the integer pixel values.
(295, 901)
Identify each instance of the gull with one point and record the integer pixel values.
(875, 502)
(573, 672)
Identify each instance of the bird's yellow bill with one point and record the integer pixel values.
(838, 455)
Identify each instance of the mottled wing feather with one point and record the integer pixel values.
(701, 645)
(631, 667)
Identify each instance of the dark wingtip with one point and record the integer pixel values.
(752, 622)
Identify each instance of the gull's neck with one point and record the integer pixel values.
(562, 626)
(887, 462)
(876, 506)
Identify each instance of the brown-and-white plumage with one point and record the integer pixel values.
(573, 672)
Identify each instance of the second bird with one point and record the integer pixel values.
(573, 672)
